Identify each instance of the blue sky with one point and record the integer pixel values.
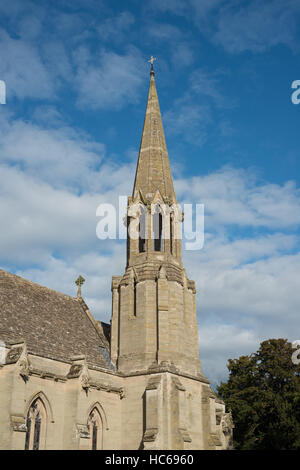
(77, 79)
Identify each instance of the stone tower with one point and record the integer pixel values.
(154, 310)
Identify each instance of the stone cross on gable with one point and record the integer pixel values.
(79, 282)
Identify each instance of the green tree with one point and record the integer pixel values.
(263, 394)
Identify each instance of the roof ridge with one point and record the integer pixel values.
(92, 319)
(36, 284)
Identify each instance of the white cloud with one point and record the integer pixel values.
(257, 26)
(175, 6)
(115, 27)
(195, 10)
(181, 50)
(51, 183)
(205, 8)
(182, 54)
(235, 196)
(164, 32)
(260, 299)
(188, 120)
(15, 8)
(239, 289)
(22, 69)
(58, 156)
(30, 27)
(191, 114)
(48, 116)
(247, 272)
(42, 221)
(208, 84)
(37, 64)
(240, 26)
(110, 81)
(57, 61)
(219, 342)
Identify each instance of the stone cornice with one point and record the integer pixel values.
(165, 368)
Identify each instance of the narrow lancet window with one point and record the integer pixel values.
(142, 230)
(171, 233)
(28, 431)
(157, 230)
(95, 429)
(95, 435)
(37, 432)
(134, 298)
(35, 425)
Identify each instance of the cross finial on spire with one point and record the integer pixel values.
(153, 169)
(151, 60)
(79, 282)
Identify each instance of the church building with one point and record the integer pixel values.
(68, 381)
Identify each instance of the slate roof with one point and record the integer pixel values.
(53, 325)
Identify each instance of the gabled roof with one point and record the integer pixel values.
(153, 169)
(53, 325)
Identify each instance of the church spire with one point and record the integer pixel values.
(153, 169)
(154, 321)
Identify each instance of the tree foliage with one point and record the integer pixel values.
(263, 394)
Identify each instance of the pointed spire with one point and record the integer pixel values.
(153, 169)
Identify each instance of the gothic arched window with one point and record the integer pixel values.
(35, 425)
(95, 428)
